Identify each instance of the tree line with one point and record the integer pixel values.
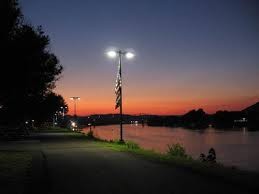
(29, 70)
(198, 119)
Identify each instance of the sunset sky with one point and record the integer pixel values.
(189, 54)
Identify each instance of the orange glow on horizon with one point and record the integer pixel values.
(85, 107)
(151, 94)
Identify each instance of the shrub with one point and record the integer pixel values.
(176, 150)
(132, 145)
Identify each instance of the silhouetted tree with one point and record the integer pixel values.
(10, 18)
(50, 105)
(252, 114)
(28, 69)
(195, 119)
(225, 119)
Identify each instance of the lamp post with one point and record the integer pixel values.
(120, 54)
(55, 119)
(75, 98)
(63, 111)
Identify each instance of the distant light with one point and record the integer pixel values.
(111, 54)
(75, 98)
(129, 55)
(73, 124)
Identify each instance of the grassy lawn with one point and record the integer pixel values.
(14, 168)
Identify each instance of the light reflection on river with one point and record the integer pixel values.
(234, 148)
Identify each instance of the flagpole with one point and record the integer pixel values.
(121, 119)
(118, 87)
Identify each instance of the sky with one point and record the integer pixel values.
(190, 54)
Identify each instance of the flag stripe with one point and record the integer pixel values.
(118, 89)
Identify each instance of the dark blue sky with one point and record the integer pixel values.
(190, 54)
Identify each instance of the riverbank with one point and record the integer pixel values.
(236, 148)
(216, 171)
(92, 165)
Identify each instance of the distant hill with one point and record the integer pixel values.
(252, 109)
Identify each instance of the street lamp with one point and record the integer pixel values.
(55, 118)
(63, 111)
(75, 98)
(120, 54)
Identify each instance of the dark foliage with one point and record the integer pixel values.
(198, 119)
(252, 113)
(28, 69)
(195, 119)
(225, 119)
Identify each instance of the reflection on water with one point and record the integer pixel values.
(234, 148)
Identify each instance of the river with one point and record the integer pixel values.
(239, 147)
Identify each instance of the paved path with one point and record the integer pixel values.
(73, 166)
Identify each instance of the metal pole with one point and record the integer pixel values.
(53, 121)
(63, 112)
(75, 107)
(121, 119)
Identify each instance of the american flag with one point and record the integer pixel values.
(118, 88)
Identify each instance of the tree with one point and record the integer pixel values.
(10, 18)
(30, 69)
(50, 105)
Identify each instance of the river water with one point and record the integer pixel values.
(238, 147)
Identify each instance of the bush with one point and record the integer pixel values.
(132, 145)
(90, 134)
(176, 150)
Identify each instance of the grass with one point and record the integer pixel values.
(14, 167)
(53, 130)
(177, 150)
(176, 157)
(215, 171)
